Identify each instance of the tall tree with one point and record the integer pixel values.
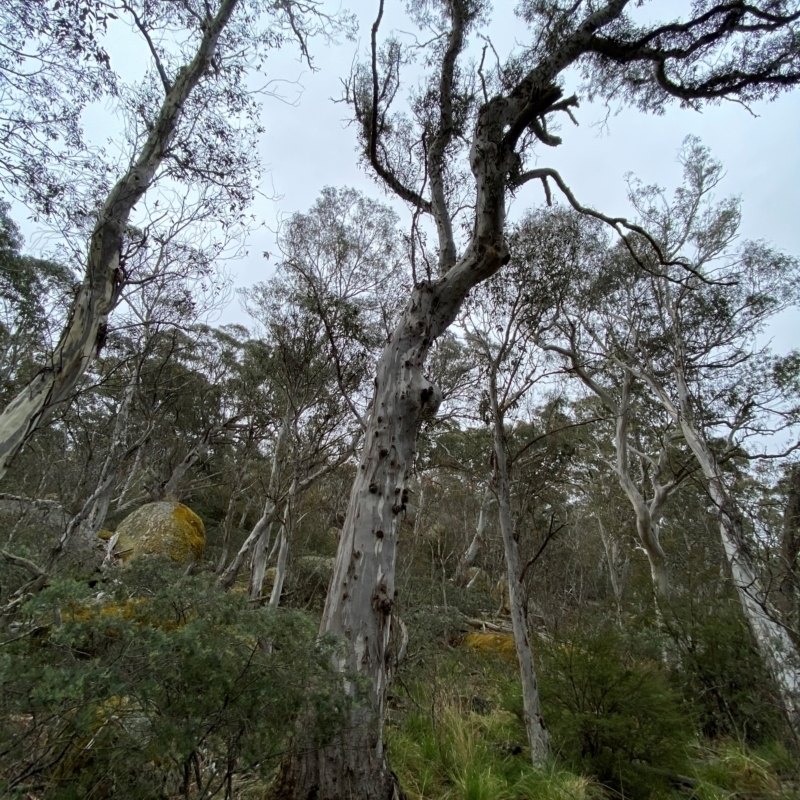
(454, 160)
(692, 341)
(184, 136)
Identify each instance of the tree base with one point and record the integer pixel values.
(344, 771)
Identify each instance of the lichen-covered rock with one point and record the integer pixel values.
(501, 644)
(167, 528)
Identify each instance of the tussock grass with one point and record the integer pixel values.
(733, 771)
(451, 753)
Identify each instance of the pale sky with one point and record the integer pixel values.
(309, 145)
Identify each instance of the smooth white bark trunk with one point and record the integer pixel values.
(103, 278)
(467, 559)
(538, 737)
(778, 651)
(259, 537)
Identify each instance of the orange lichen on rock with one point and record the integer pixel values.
(167, 528)
(500, 644)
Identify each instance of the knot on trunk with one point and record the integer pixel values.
(429, 396)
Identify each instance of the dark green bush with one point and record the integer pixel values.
(165, 684)
(612, 711)
(721, 674)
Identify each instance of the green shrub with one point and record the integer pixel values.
(613, 713)
(165, 684)
(721, 675)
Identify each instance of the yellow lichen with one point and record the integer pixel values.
(501, 644)
(195, 529)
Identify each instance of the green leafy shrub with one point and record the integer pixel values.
(721, 675)
(613, 713)
(164, 685)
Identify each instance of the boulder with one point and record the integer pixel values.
(500, 644)
(167, 528)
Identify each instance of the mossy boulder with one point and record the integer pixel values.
(164, 528)
(500, 644)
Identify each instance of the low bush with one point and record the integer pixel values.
(164, 684)
(613, 713)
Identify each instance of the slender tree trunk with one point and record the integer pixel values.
(262, 528)
(646, 513)
(617, 567)
(258, 565)
(262, 531)
(103, 279)
(227, 524)
(283, 553)
(538, 737)
(280, 569)
(87, 522)
(170, 488)
(778, 651)
(789, 575)
(131, 477)
(461, 577)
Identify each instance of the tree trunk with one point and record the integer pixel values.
(649, 538)
(103, 279)
(777, 649)
(170, 488)
(538, 737)
(227, 524)
(790, 548)
(646, 513)
(280, 569)
(617, 567)
(461, 577)
(87, 522)
(262, 531)
(361, 595)
(359, 603)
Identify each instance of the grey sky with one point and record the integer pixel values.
(309, 146)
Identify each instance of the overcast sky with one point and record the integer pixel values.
(309, 145)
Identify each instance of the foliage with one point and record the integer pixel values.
(612, 711)
(722, 676)
(463, 755)
(151, 686)
(729, 769)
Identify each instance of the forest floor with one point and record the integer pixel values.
(455, 731)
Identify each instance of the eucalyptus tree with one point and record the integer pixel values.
(454, 158)
(33, 295)
(495, 322)
(563, 257)
(191, 132)
(53, 65)
(689, 331)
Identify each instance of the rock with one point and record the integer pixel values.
(501, 644)
(167, 528)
